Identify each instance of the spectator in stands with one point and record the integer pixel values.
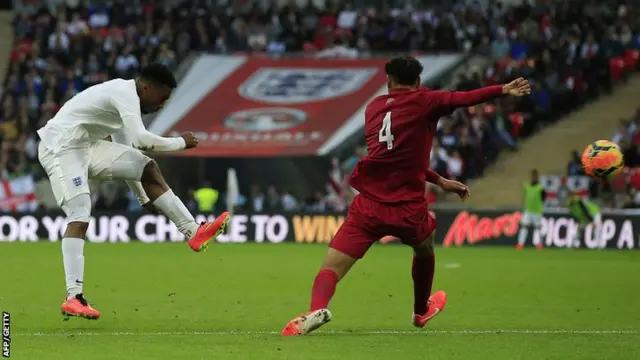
(273, 201)
(500, 46)
(439, 158)
(315, 203)
(574, 167)
(347, 17)
(631, 153)
(257, 199)
(455, 166)
(622, 132)
(289, 202)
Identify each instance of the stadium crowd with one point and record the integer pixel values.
(566, 49)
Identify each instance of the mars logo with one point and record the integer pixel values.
(303, 85)
(265, 119)
(472, 228)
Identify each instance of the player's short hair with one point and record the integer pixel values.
(158, 74)
(403, 70)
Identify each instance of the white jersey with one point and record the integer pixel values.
(101, 111)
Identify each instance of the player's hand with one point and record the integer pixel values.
(518, 87)
(189, 139)
(151, 208)
(452, 186)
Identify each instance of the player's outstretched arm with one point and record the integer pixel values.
(141, 138)
(457, 99)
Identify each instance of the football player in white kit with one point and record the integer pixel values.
(74, 148)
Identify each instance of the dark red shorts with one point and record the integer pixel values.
(368, 221)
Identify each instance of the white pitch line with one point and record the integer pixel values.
(342, 332)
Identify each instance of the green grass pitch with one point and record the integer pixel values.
(162, 301)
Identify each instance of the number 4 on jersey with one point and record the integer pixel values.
(385, 134)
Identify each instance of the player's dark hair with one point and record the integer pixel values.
(403, 70)
(158, 74)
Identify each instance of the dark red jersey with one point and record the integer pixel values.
(399, 129)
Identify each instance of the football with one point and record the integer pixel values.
(602, 159)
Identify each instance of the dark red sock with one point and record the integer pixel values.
(323, 289)
(422, 274)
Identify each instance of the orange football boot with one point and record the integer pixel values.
(437, 302)
(520, 247)
(78, 306)
(539, 247)
(208, 231)
(307, 322)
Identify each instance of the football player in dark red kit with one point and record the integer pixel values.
(399, 129)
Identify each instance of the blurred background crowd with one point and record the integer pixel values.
(572, 51)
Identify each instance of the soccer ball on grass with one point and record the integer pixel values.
(602, 159)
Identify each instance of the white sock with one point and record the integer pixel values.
(522, 235)
(536, 237)
(597, 233)
(73, 259)
(577, 237)
(174, 209)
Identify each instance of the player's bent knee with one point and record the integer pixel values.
(426, 247)
(78, 209)
(151, 172)
(338, 262)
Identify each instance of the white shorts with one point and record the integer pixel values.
(69, 169)
(531, 219)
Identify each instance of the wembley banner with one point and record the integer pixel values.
(455, 229)
(254, 106)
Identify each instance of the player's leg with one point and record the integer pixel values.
(335, 267)
(350, 243)
(78, 211)
(425, 305)
(120, 162)
(67, 172)
(536, 221)
(597, 229)
(525, 223)
(577, 237)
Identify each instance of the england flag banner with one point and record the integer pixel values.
(252, 106)
(18, 195)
